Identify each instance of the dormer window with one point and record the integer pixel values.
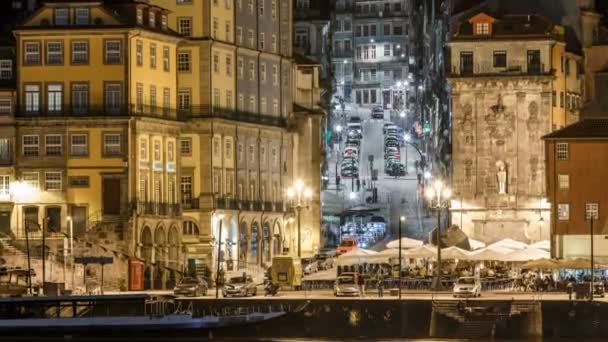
(62, 16)
(140, 16)
(82, 16)
(164, 21)
(482, 28)
(152, 19)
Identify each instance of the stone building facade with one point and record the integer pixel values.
(507, 81)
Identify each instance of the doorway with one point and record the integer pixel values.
(79, 221)
(111, 196)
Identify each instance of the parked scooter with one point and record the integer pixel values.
(271, 289)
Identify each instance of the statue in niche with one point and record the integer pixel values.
(501, 177)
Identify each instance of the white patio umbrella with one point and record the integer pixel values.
(527, 254)
(454, 253)
(405, 243)
(476, 244)
(543, 244)
(425, 251)
(385, 255)
(510, 243)
(356, 256)
(491, 253)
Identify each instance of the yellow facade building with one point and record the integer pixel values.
(142, 124)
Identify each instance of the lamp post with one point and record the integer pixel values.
(299, 194)
(591, 215)
(219, 257)
(71, 226)
(401, 219)
(338, 129)
(440, 194)
(406, 138)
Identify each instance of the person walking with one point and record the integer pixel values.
(361, 283)
(380, 284)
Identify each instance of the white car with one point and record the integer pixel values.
(310, 265)
(467, 287)
(346, 286)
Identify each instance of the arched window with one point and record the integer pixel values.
(190, 228)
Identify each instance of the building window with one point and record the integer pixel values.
(229, 99)
(79, 145)
(387, 50)
(163, 23)
(157, 151)
(82, 16)
(6, 106)
(61, 16)
(228, 31)
(466, 62)
(32, 53)
(113, 97)
(153, 56)
(563, 211)
(229, 66)
(273, 9)
(241, 103)
(32, 98)
(216, 27)
(166, 99)
(183, 99)
(275, 75)
(151, 19)
(216, 63)
(54, 53)
(239, 68)
(500, 59)
(251, 70)
(239, 35)
(143, 149)
(482, 28)
(6, 69)
(262, 40)
(52, 181)
(5, 182)
(592, 211)
(78, 181)
(31, 179)
(273, 41)
(112, 52)
(263, 72)
(554, 98)
(186, 187)
(261, 8)
(183, 61)
(54, 97)
(30, 145)
(111, 144)
(140, 16)
(80, 52)
(263, 107)
(561, 99)
(563, 181)
(170, 152)
(139, 53)
(275, 107)
(139, 97)
(561, 151)
(185, 146)
(184, 26)
(216, 99)
(52, 145)
(166, 60)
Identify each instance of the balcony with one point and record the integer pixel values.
(226, 203)
(158, 208)
(190, 203)
(379, 13)
(343, 53)
(200, 111)
(488, 69)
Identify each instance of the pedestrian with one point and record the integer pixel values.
(380, 284)
(569, 288)
(361, 283)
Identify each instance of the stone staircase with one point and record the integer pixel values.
(477, 329)
(7, 248)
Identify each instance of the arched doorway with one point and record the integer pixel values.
(160, 260)
(146, 255)
(243, 245)
(277, 239)
(173, 259)
(253, 243)
(266, 236)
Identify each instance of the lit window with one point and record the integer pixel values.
(166, 60)
(140, 16)
(52, 145)
(6, 69)
(54, 97)
(111, 144)
(80, 52)
(561, 151)
(6, 106)
(139, 53)
(112, 52)
(152, 19)
(563, 211)
(30, 145)
(185, 147)
(482, 28)
(564, 182)
(183, 61)
(184, 26)
(31, 179)
(54, 53)
(592, 211)
(78, 145)
(52, 181)
(32, 53)
(32, 98)
(5, 181)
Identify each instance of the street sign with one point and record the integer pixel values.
(94, 260)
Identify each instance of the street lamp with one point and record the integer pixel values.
(401, 220)
(220, 217)
(338, 130)
(71, 226)
(300, 195)
(440, 194)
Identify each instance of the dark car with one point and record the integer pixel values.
(378, 113)
(192, 287)
(397, 170)
(354, 119)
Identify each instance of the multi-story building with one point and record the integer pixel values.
(148, 123)
(575, 180)
(370, 51)
(509, 80)
(312, 36)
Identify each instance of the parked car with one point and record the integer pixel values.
(309, 265)
(397, 170)
(347, 245)
(346, 286)
(324, 261)
(240, 286)
(353, 143)
(354, 119)
(387, 126)
(467, 287)
(351, 151)
(377, 113)
(192, 287)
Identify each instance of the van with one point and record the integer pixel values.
(348, 244)
(286, 271)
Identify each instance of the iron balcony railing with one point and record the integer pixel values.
(158, 208)
(199, 111)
